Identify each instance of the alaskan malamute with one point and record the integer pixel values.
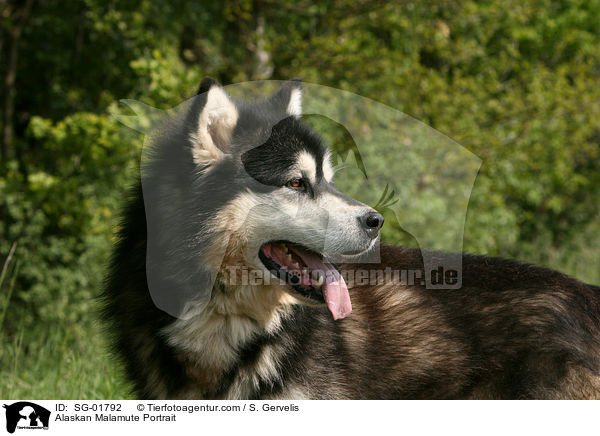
(229, 282)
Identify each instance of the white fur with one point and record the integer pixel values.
(306, 164)
(328, 171)
(215, 125)
(228, 321)
(294, 106)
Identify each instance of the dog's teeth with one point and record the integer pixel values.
(284, 248)
(289, 257)
(320, 281)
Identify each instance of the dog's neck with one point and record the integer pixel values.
(210, 342)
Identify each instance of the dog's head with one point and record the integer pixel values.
(261, 195)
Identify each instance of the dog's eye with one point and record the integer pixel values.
(296, 184)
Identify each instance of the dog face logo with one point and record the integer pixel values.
(26, 415)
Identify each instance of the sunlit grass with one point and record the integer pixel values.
(54, 361)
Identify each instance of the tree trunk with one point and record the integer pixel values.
(11, 77)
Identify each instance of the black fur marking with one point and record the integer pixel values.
(132, 319)
(269, 162)
(206, 84)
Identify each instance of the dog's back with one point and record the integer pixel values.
(512, 330)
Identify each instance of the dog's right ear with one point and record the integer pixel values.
(289, 98)
(215, 116)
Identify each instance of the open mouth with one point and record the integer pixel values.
(308, 274)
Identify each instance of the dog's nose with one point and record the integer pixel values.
(371, 222)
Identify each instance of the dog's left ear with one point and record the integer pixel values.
(289, 98)
(214, 122)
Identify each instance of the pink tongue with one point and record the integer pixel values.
(335, 289)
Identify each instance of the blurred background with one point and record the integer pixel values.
(515, 82)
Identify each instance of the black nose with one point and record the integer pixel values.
(372, 222)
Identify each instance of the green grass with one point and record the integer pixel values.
(55, 361)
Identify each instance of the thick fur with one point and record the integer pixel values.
(512, 330)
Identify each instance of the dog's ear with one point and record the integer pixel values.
(216, 117)
(289, 98)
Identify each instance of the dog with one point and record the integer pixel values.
(232, 187)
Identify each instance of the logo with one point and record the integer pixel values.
(26, 415)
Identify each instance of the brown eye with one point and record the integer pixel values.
(296, 184)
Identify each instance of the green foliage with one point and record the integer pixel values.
(514, 82)
(57, 205)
